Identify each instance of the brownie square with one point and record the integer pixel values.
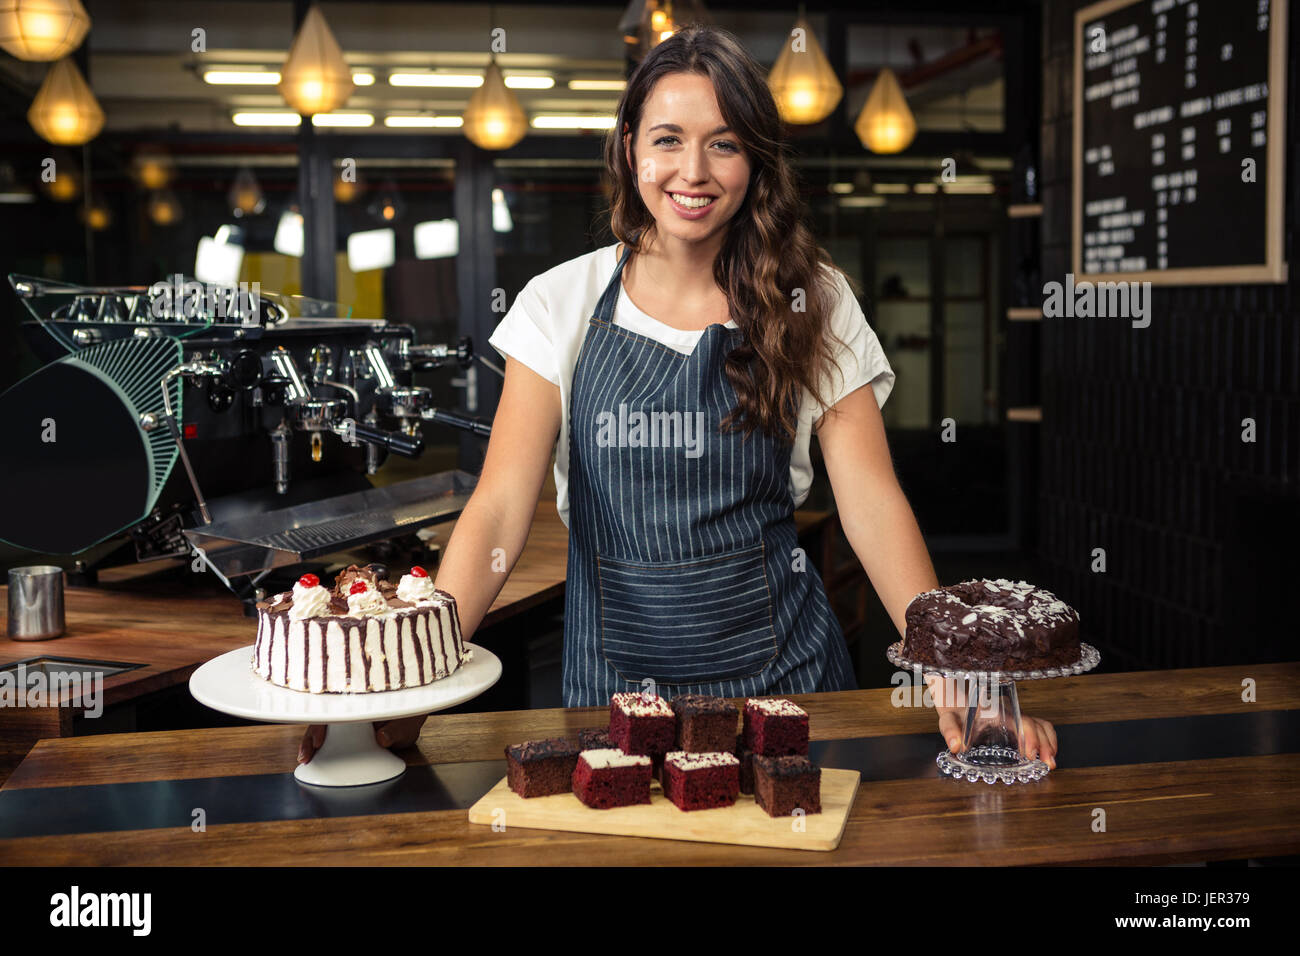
(704, 724)
(775, 727)
(539, 768)
(783, 783)
(700, 781)
(595, 738)
(641, 724)
(746, 758)
(610, 778)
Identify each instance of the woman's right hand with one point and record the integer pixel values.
(402, 732)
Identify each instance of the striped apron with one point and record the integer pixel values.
(683, 565)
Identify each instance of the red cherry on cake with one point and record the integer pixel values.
(419, 572)
(309, 580)
(358, 587)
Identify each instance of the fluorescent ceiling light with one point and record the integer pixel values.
(249, 118)
(241, 77)
(972, 188)
(573, 122)
(926, 188)
(842, 189)
(529, 81)
(467, 80)
(343, 119)
(890, 189)
(861, 202)
(421, 122)
(598, 85)
(363, 79)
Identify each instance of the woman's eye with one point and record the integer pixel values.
(728, 146)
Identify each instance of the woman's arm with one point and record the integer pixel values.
(873, 511)
(501, 509)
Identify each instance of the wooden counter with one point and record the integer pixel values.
(1169, 807)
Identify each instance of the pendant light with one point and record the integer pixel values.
(315, 78)
(152, 169)
(346, 190)
(886, 125)
(388, 205)
(42, 29)
(803, 84)
(245, 194)
(64, 111)
(66, 184)
(97, 215)
(493, 118)
(164, 208)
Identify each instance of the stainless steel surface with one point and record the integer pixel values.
(35, 603)
(253, 544)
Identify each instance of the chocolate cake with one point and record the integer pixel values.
(595, 738)
(611, 778)
(704, 724)
(539, 768)
(700, 781)
(996, 625)
(362, 635)
(775, 727)
(641, 724)
(783, 783)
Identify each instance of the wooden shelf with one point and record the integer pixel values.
(1034, 414)
(1025, 313)
(1025, 210)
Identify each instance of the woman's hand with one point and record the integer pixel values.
(949, 700)
(388, 733)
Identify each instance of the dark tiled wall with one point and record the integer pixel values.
(1141, 439)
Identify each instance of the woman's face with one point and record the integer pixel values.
(691, 170)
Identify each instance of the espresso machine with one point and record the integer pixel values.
(281, 411)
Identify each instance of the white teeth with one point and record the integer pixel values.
(691, 203)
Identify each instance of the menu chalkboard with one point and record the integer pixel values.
(1178, 140)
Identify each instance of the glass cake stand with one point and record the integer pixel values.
(350, 755)
(993, 740)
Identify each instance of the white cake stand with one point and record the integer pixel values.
(993, 739)
(350, 756)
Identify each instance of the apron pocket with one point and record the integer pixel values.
(687, 622)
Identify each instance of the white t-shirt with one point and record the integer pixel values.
(545, 327)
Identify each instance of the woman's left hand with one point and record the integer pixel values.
(1039, 735)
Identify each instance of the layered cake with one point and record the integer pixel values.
(539, 768)
(704, 724)
(775, 727)
(641, 723)
(363, 635)
(782, 784)
(700, 781)
(611, 778)
(997, 625)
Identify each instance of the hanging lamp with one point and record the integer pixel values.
(315, 78)
(64, 111)
(493, 118)
(803, 84)
(886, 124)
(42, 29)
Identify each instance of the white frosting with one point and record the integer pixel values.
(641, 705)
(782, 708)
(688, 761)
(309, 602)
(367, 603)
(413, 589)
(603, 759)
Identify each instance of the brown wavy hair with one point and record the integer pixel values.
(768, 252)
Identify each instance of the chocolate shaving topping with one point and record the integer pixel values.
(345, 578)
(541, 750)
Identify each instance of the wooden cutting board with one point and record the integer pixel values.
(744, 823)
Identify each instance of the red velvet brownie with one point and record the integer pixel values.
(783, 783)
(539, 768)
(595, 738)
(641, 724)
(611, 778)
(704, 724)
(746, 758)
(775, 728)
(699, 781)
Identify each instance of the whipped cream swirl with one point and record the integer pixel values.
(309, 602)
(367, 603)
(413, 589)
